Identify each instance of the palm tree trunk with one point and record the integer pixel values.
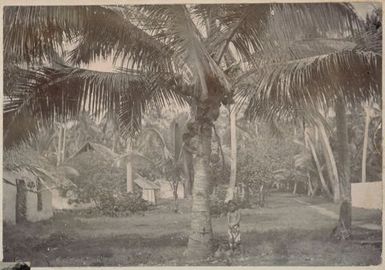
(233, 165)
(59, 146)
(309, 186)
(175, 194)
(201, 235)
(188, 183)
(318, 165)
(129, 180)
(295, 187)
(247, 194)
(63, 149)
(331, 163)
(343, 229)
(114, 141)
(365, 145)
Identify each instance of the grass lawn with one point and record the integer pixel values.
(285, 232)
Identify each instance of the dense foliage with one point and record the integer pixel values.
(104, 185)
(260, 157)
(218, 205)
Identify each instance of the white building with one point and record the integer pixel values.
(26, 197)
(166, 191)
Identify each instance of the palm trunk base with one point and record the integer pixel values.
(200, 243)
(343, 230)
(188, 189)
(295, 188)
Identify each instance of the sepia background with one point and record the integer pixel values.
(128, 129)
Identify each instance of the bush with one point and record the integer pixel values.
(218, 207)
(123, 204)
(104, 185)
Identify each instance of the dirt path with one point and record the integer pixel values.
(333, 215)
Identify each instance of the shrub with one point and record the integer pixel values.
(123, 204)
(104, 185)
(218, 206)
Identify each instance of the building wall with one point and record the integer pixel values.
(33, 214)
(149, 195)
(9, 203)
(166, 192)
(367, 195)
(10, 198)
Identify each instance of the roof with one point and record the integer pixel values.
(35, 174)
(89, 146)
(9, 176)
(52, 181)
(145, 184)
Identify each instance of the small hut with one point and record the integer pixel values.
(166, 191)
(149, 189)
(26, 197)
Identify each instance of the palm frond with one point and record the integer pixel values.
(98, 32)
(307, 69)
(33, 33)
(313, 81)
(153, 132)
(240, 25)
(113, 33)
(176, 27)
(251, 28)
(322, 17)
(60, 94)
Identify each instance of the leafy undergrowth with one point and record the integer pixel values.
(284, 233)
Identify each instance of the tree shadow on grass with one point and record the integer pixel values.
(294, 247)
(274, 248)
(138, 250)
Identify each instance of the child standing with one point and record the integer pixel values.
(233, 220)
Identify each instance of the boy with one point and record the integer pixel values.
(233, 220)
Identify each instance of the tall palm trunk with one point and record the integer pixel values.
(233, 165)
(318, 165)
(343, 229)
(129, 180)
(59, 146)
(365, 144)
(63, 148)
(115, 138)
(310, 190)
(177, 137)
(295, 187)
(330, 163)
(201, 235)
(189, 174)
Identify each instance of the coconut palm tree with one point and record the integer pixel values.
(323, 76)
(169, 53)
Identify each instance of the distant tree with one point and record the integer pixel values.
(175, 153)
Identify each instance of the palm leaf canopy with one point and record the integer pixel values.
(298, 72)
(98, 32)
(166, 53)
